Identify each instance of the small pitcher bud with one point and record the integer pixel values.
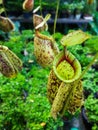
(90, 1)
(37, 20)
(45, 49)
(28, 5)
(6, 24)
(10, 64)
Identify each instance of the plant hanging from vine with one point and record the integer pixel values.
(10, 64)
(64, 88)
(6, 24)
(28, 5)
(45, 47)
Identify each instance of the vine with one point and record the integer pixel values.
(56, 15)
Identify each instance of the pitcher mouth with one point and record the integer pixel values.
(73, 62)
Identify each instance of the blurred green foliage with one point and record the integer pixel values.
(90, 81)
(94, 23)
(92, 43)
(1, 7)
(17, 5)
(91, 106)
(82, 54)
(11, 5)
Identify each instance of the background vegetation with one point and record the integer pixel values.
(23, 100)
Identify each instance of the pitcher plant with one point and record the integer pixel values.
(64, 88)
(45, 47)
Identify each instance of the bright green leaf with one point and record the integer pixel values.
(2, 10)
(75, 37)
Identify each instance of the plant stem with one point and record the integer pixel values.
(40, 1)
(56, 15)
(4, 8)
(89, 65)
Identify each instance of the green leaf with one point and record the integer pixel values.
(94, 27)
(75, 37)
(2, 10)
(92, 43)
